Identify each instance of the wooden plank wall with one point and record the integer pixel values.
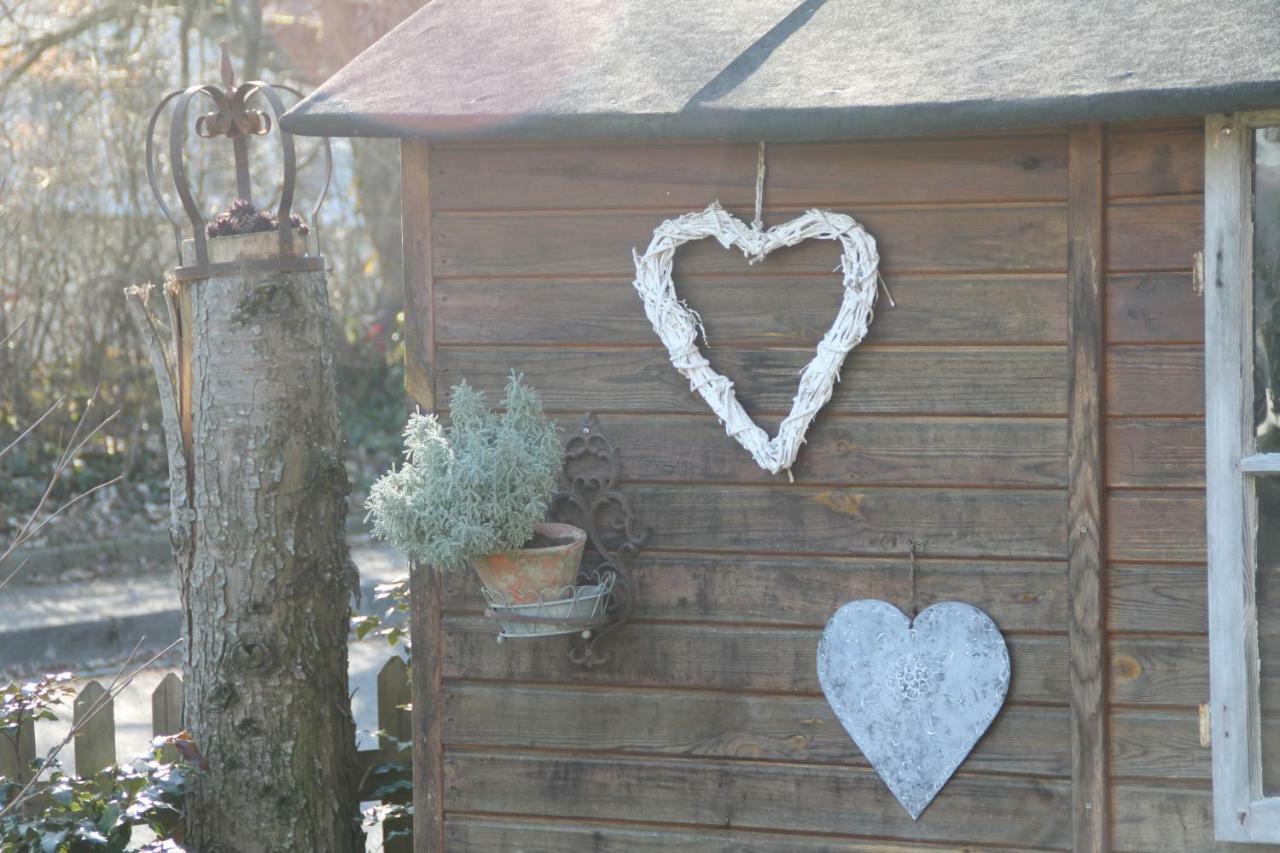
(1155, 496)
(708, 731)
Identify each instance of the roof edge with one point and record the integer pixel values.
(314, 116)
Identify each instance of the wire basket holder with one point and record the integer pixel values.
(602, 600)
(577, 609)
(232, 117)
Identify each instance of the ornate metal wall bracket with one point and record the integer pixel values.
(591, 499)
(233, 118)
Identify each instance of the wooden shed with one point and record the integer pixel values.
(1031, 413)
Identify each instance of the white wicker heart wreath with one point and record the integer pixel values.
(678, 325)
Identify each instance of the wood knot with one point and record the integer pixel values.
(249, 728)
(222, 696)
(798, 743)
(842, 501)
(251, 655)
(1125, 668)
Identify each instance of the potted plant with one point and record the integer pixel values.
(476, 491)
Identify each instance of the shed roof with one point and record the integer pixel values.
(795, 69)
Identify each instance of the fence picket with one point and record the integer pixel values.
(394, 720)
(17, 751)
(95, 746)
(166, 706)
(95, 740)
(166, 712)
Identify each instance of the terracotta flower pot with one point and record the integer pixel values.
(522, 573)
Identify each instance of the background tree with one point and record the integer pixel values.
(78, 79)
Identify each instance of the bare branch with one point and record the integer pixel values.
(47, 412)
(16, 329)
(18, 542)
(71, 451)
(39, 46)
(13, 574)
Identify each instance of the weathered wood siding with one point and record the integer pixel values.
(1155, 496)
(708, 731)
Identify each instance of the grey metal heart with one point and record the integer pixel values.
(915, 697)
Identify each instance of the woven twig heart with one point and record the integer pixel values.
(677, 324)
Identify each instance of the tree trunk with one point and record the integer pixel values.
(259, 507)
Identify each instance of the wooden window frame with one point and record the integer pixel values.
(1242, 811)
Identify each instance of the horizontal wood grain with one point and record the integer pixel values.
(716, 725)
(797, 518)
(837, 800)
(1159, 670)
(489, 833)
(1155, 161)
(1174, 670)
(807, 590)
(1158, 744)
(1157, 598)
(1153, 308)
(1148, 818)
(932, 380)
(945, 239)
(847, 449)
(1156, 526)
(774, 310)
(1155, 454)
(732, 657)
(688, 176)
(1160, 234)
(1155, 380)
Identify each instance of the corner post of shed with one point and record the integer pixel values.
(426, 586)
(1086, 626)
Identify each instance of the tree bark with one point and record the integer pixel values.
(259, 504)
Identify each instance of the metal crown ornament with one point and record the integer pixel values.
(232, 117)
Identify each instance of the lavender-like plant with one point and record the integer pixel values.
(474, 487)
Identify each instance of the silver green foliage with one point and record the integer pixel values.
(476, 486)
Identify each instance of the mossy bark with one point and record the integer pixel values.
(259, 511)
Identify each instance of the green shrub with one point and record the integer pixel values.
(475, 487)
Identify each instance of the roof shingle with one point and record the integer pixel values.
(795, 69)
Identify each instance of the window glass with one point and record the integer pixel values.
(1268, 602)
(1266, 422)
(1266, 288)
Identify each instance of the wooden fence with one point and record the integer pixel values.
(95, 741)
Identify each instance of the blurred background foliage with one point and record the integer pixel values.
(78, 81)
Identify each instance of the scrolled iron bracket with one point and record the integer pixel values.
(590, 498)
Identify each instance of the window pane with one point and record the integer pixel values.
(1266, 401)
(1266, 288)
(1268, 600)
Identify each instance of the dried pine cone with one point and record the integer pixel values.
(243, 217)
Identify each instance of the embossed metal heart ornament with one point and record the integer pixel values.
(915, 697)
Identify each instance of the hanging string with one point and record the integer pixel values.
(757, 224)
(885, 287)
(915, 544)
